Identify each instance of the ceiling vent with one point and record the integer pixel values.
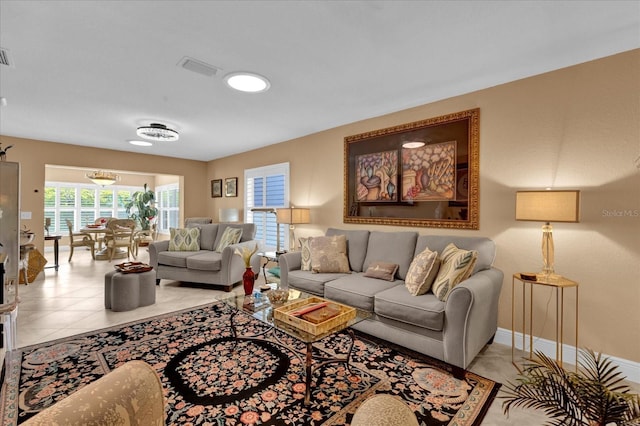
(198, 66)
(5, 57)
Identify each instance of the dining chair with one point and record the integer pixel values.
(120, 234)
(80, 239)
(103, 220)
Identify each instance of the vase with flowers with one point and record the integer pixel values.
(248, 278)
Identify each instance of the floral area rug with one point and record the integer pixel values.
(210, 378)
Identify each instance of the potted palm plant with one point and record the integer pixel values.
(592, 396)
(141, 208)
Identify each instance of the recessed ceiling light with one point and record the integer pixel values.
(157, 132)
(141, 143)
(247, 82)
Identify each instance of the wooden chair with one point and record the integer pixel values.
(120, 234)
(80, 239)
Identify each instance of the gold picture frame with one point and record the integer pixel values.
(434, 184)
(231, 187)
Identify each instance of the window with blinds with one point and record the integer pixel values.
(267, 188)
(168, 204)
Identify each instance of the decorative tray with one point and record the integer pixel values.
(314, 314)
(133, 267)
(94, 226)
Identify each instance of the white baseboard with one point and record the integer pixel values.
(630, 369)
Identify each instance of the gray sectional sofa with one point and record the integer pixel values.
(453, 331)
(205, 266)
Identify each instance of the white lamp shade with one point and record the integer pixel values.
(548, 206)
(293, 216)
(229, 215)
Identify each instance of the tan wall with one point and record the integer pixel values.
(34, 155)
(573, 128)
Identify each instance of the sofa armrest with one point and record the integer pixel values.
(155, 248)
(130, 394)
(232, 265)
(471, 316)
(288, 262)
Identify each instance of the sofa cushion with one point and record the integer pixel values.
(229, 236)
(356, 246)
(310, 282)
(305, 253)
(423, 311)
(393, 247)
(208, 233)
(184, 239)
(176, 258)
(248, 231)
(485, 247)
(205, 261)
(357, 290)
(457, 265)
(422, 272)
(329, 254)
(382, 271)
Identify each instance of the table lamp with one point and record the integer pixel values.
(548, 206)
(292, 216)
(229, 215)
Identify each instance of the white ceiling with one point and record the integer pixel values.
(88, 73)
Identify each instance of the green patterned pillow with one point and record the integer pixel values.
(305, 251)
(457, 266)
(230, 236)
(422, 272)
(184, 239)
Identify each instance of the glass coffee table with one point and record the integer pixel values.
(260, 308)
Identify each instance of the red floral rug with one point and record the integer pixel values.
(211, 378)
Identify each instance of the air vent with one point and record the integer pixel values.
(5, 57)
(198, 66)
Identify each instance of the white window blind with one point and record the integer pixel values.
(267, 187)
(168, 204)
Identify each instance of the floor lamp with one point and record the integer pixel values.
(548, 206)
(292, 216)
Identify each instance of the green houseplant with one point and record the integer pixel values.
(141, 207)
(592, 396)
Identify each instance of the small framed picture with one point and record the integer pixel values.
(231, 187)
(216, 188)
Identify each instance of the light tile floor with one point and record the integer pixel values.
(71, 301)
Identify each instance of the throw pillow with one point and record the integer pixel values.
(184, 239)
(329, 254)
(422, 272)
(305, 250)
(457, 266)
(230, 236)
(382, 271)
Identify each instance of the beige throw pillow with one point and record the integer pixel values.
(422, 272)
(184, 239)
(230, 236)
(305, 250)
(457, 266)
(329, 254)
(382, 271)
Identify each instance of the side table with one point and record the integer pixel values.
(557, 282)
(56, 249)
(267, 256)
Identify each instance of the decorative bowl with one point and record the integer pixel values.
(278, 296)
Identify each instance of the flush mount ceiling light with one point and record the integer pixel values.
(413, 144)
(247, 82)
(141, 143)
(157, 132)
(102, 178)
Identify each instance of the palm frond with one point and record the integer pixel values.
(595, 394)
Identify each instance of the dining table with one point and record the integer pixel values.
(99, 232)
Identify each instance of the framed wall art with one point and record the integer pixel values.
(231, 187)
(216, 188)
(424, 173)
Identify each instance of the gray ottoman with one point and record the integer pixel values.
(124, 292)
